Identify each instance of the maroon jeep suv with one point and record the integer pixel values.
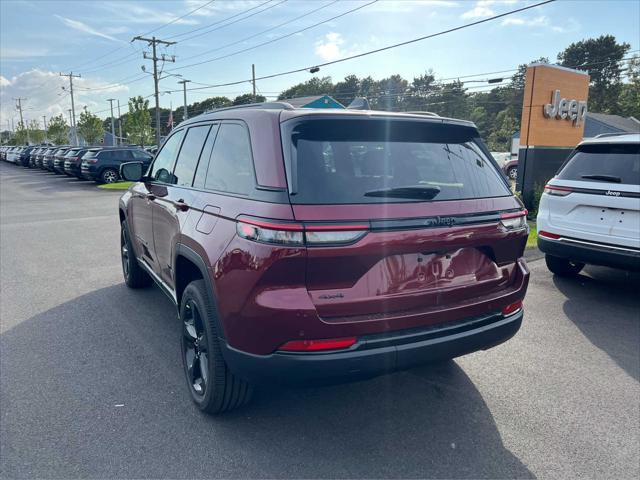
(304, 245)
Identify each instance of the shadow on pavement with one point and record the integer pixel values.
(617, 331)
(94, 388)
(44, 181)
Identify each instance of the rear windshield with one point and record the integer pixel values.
(91, 154)
(606, 163)
(335, 161)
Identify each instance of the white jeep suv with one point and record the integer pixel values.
(590, 211)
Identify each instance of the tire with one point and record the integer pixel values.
(563, 267)
(134, 275)
(109, 175)
(512, 173)
(213, 387)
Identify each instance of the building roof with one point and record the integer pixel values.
(599, 123)
(314, 101)
(622, 138)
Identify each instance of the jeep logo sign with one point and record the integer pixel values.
(566, 109)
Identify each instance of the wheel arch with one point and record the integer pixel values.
(190, 266)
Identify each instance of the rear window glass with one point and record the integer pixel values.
(91, 154)
(381, 161)
(605, 163)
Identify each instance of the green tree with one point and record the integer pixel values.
(451, 101)
(421, 91)
(21, 134)
(58, 131)
(506, 124)
(248, 98)
(346, 90)
(90, 128)
(36, 135)
(314, 86)
(630, 94)
(137, 126)
(600, 57)
(390, 94)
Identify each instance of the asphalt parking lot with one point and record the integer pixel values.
(91, 383)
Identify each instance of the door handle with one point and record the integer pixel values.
(180, 205)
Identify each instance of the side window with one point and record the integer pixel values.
(203, 165)
(138, 155)
(163, 164)
(189, 155)
(231, 165)
(105, 155)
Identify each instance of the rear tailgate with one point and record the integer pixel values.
(422, 261)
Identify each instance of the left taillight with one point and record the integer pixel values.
(298, 234)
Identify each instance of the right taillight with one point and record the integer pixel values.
(556, 191)
(514, 220)
(512, 308)
(298, 234)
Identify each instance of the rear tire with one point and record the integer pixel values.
(134, 275)
(563, 267)
(213, 387)
(512, 173)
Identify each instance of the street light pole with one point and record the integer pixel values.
(185, 115)
(119, 123)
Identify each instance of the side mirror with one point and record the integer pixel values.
(131, 171)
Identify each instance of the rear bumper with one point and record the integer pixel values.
(376, 354)
(592, 253)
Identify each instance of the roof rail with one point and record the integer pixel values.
(265, 105)
(611, 134)
(423, 112)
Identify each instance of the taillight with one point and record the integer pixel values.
(550, 235)
(512, 308)
(514, 220)
(318, 345)
(557, 191)
(92, 160)
(298, 234)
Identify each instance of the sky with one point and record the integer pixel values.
(40, 39)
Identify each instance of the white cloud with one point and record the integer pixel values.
(482, 8)
(329, 47)
(44, 95)
(136, 13)
(541, 21)
(21, 53)
(83, 27)
(213, 9)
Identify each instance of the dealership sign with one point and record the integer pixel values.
(564, 109)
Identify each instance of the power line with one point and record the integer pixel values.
(280, 38)
(178, 18)
(217, 49)
(370, 52)
(222, 21)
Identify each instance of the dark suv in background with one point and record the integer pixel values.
(72, 159)
(103, 165)
(302, 245)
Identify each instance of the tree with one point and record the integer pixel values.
(390, 94)
(630, 95)
(506, 124)
(58, 131)
(600, 57)
(451, 101)
(314, 86)
(36, 135)
(22, 134)
(137, 126)
(346, 90)
(248, 98)
(90, 128)
(421, 91)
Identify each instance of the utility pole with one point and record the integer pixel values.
(185, 115)
(119, 124)
(19, 107)
(70, 117)
(253, 80)
(73, 107)
(113, 130)
(153, 41)
(44, 121)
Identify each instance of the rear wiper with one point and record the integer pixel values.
(417, 192)
(604, 178)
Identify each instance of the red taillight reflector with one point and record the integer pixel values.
(553, 236)
(318, 345)
(557, 191)
(522, 213)
(512, 308)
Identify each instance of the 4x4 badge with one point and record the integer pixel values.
(440, 222)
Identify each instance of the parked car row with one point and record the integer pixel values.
(100, 164)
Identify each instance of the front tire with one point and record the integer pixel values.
(109, 175)
(512, 173)
(563, 267)
(213, 387)
(134, 275)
